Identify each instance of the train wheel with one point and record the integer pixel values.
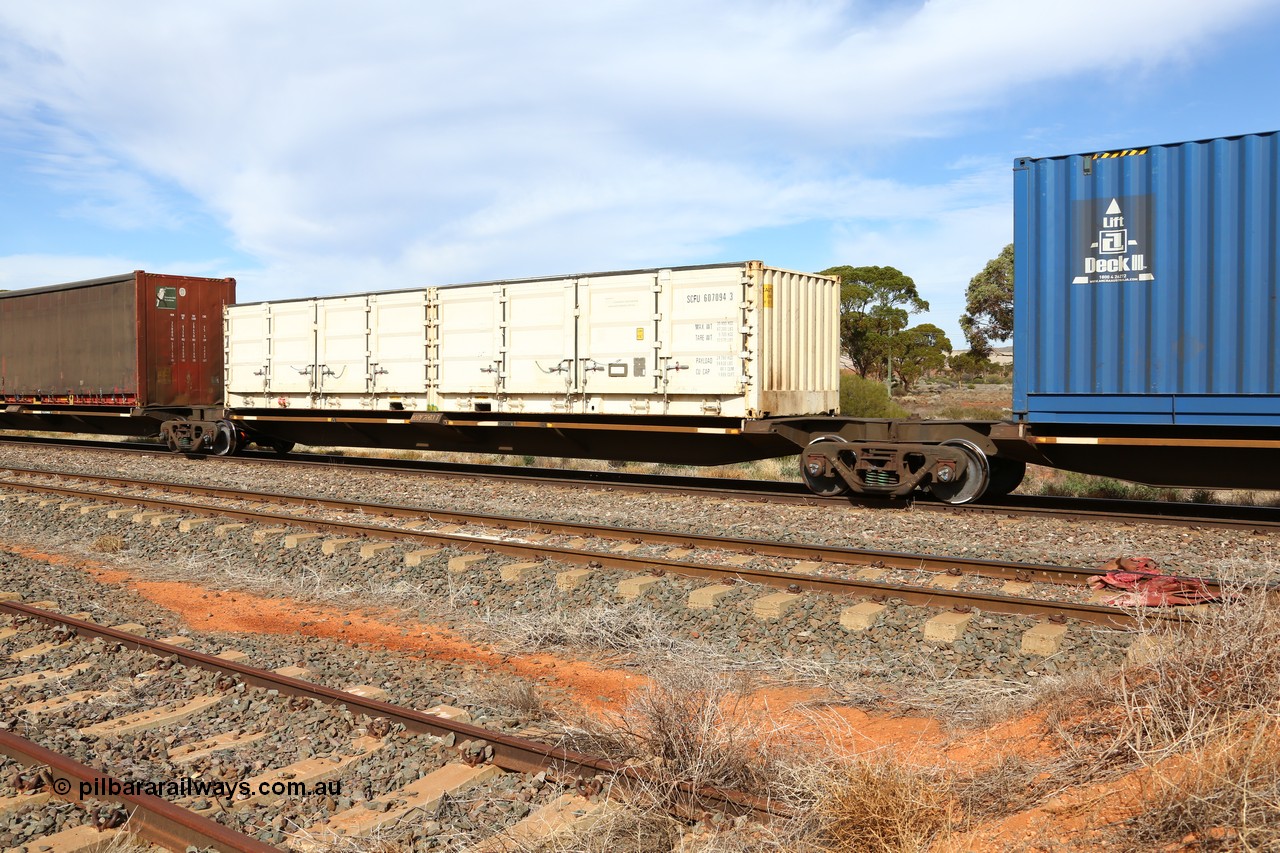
(973, 483)
(226, 441)
(1006, 475)
(282, 447)
(826, 485)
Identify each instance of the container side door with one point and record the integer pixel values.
(540, 338)
(342, 345)
(470, 339)
(398, 343)
(248, 345)
(702, 341)
(292, 364)
(619, 332)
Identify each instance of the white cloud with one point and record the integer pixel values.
(434, 142)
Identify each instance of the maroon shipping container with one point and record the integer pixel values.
(140, 340)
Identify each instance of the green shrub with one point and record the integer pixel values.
(970, 413)
(863, 398)
(1076, 485)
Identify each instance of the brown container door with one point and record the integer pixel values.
(180, 323)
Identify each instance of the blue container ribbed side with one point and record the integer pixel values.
(1148, 275)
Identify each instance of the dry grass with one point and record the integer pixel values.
(1011, 784)
(1195, 711)
(546, 624)
(621, 829)
(1225, 794)
(1195, 679)
(880, 805)
(511, 694)
(108, 544)
(1243, 497)
(693, 728)
(687, 728)
(124, 841)
(957, 703)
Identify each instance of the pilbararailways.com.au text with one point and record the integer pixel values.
(186, 787)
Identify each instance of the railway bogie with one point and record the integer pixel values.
(955, 461)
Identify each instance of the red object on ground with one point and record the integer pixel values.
(1141, 583)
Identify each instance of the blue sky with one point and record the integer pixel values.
(320, 147)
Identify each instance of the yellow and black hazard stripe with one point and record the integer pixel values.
(1128, 152)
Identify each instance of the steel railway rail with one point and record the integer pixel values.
(159, 821)
(170, 825)
(1002, 570)
(511, 544)
(1264, 520)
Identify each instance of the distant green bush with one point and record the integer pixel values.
(970, 413)
(1076, 485)
(863, 398)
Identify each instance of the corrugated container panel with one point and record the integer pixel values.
(72, 341)
(1145, 284)
(139, 339)
(800, 324)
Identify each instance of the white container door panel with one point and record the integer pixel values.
(702, 332)
(539, 338)
(247, 329)
(469, 342)
(292, 347)
(619, 332)
(342, 334)
(398, 342)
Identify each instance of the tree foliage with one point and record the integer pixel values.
(917, 350)
(875, 303)
(969, 364)
(988, 314)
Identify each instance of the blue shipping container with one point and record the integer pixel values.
(1145, 285)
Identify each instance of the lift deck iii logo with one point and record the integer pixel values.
(1114, 240)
